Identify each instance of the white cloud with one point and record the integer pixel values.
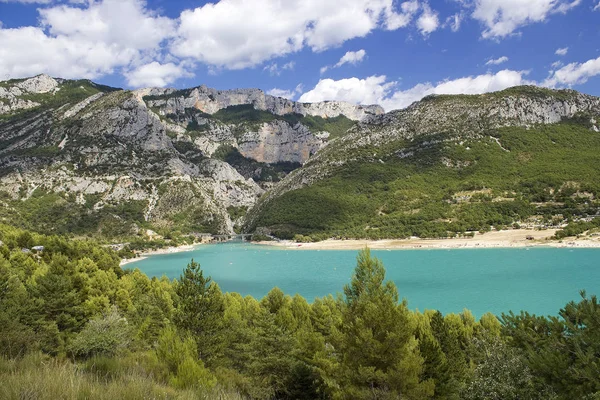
(124, 23)
(395, 20)
(370, 90)
(155, 74)
(503, 17)
(378, 90)
(574, 73)
(562, 51)
(223, 34)
(556, 64)
(85, 42)
(454, 21)
(497, 61)
(275, 70)
(428, 21)
(288, 94)
(597, 7)
(351, 57)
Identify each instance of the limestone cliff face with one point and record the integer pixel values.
(111, 149)
(209, 101)
(279, 142)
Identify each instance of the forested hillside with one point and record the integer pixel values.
(446, 166)
(74, 325)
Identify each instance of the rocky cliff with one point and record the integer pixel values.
(209, 101)
(115, 161)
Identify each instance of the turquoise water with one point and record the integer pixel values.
(539, 280)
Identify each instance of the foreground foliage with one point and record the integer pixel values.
(73, 324)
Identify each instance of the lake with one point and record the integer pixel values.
(539, 280)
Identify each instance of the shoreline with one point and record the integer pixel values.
(515, 238)
(167, 250)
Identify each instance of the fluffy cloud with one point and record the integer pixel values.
(574, 73)
(123, 23)
(503, 17)
(351, 57)
(288, 94)
(370, 90)
(378, 90)
(428, 21)
(75, 42)
(57, 56)
(497, 61)
(155, 74)
(562, 51)
(222, 34)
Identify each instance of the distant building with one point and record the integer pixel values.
(37, 248)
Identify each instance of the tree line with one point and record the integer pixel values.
(71, 308)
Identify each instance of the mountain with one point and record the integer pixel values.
(447, 165)
(83, 158)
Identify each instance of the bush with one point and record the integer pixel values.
(104, 336)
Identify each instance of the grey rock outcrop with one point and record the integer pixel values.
(209, 101)
(39, 84)
(279, 142)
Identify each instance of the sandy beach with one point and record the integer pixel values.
(168, 250)
(495, 239)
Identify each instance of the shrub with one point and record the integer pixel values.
(104, 336)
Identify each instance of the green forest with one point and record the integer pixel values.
(74, 325)
(443, 185)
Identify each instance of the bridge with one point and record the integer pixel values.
(226, 238)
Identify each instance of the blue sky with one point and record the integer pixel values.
(363, 51)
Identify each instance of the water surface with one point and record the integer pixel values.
(539, 280)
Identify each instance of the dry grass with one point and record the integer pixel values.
(37, 377)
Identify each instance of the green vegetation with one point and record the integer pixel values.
(74, 325)
(436, 186)
(70, 91)
(246, 113)
(534, 92)
(59, 213)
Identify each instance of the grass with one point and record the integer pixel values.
(37, 377)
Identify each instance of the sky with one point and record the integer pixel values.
(385, 52)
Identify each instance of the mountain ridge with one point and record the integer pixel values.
(117, 162)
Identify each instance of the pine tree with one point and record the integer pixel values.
(200, 311)
(380, 356)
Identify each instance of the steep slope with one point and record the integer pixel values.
(446, 165)
(86, 159)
